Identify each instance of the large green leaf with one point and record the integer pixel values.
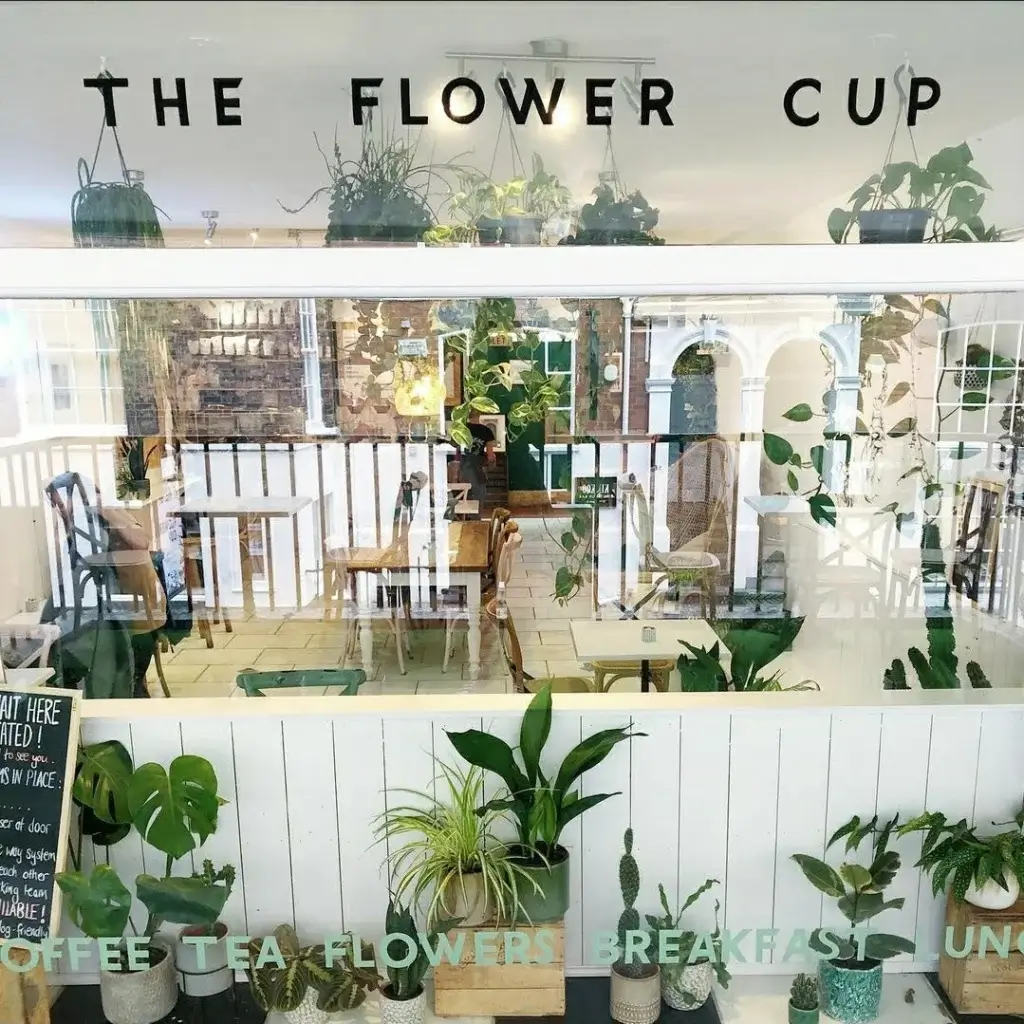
(98, 903)
(855, 876)
(823, 509)
(187, 901)
(175, 811)
(882, 947)
(820, 875)
(588, 754)
(534, 732)
(102, 776)
(778, 449)
(573, 809)
(799, 413)
(702, 673)
(492, 755)
(883, 869)
(754, 647)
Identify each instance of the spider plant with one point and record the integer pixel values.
(450, 857)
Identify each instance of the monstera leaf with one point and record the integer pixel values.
(98, 903)
(175, 810)
(103, 773)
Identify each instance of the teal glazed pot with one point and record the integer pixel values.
(850, 994)
(802, 1016)
(552, 901)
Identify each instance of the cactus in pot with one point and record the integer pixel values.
(635, 981)
(803, 1000)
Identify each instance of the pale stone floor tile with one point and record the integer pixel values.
(177, 673)
(217, 656)
(324, 658)
(206, 688)
(222, 675)
(309, 626)
(335, 639)
(552, 652)
(242, 625)
(255, 642)
(559, 626)
(567, 668)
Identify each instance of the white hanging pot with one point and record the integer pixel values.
(992, 896)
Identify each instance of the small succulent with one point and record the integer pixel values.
(804, 993)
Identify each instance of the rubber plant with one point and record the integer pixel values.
(541, 805)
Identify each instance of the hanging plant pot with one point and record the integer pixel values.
(488, 230)
(522, 229)
(892, 227)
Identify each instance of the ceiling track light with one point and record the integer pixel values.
(210, 216)
(507, 75)
(632, 89)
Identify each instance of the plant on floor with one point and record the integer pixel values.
(688, 955)
(948, 191)
(406, 982)
(133, 464)
(541, 805)
(752, 644)
(284, 975)
(938, 669)
(448, 852)
(955, 856)
(859, 894)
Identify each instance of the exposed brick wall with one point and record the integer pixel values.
(639, 369)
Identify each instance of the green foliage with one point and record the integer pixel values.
(576, 545)
(289, 970)
(895, 676)
(752, 645)
(543, 195)
(956, 856)
(407, 982)
(98, 903)
(858, 891)
(977, 677)
(687, 939)
(437, 843)
(629, 919)
(803, 994)
(541, 807)
(947, 186)
(616, 217)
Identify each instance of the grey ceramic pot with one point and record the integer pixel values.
(141, 997)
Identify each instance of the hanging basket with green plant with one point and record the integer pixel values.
(616, 217)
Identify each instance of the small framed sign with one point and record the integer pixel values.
(599, 492)
(409, 348)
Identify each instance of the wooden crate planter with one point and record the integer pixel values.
(990, 983)
(497, 988)
(24, 995)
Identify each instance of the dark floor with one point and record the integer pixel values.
(586, 1003)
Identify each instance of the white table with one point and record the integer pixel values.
(244, 509)
(27, 678)
(620, 640)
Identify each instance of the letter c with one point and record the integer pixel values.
(787, 102)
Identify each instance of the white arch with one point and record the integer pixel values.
(841, 339)
(663, 361)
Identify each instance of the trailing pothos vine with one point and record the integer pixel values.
(495, 325)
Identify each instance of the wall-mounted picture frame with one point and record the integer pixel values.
(497, 425)
(453, 382)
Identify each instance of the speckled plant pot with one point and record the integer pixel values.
(307, 1011)
(850, 995)
(140, 997)
(402, 1011)
(636, 1000)
(689, 988)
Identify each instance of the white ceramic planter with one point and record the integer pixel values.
(694, 980)
(140, 997)
(307, 1011)
(992, 896)
(210, 976)
(636, 1000)
(403, 1011)
(467, 901)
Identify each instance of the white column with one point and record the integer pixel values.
(843, 420)
(748, 527)
(659, 405)
(627, 357)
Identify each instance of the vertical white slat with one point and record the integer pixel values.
(313, 832)
(800, 827)
(602, 830)
(362, 503)
(852, 786)
(1000, 785)
(389, 468)
(359, 775)
(211, 738)
(281, 530)
(952, 784)
(655, 783)
(704, 812)
(902, 781)
(261, 783)
(753, 812)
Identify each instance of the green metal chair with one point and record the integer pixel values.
(254, 683)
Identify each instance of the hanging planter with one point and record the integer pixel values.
(113, 214)
(979, 367)
(616, 217)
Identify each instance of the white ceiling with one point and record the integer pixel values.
(731, 168)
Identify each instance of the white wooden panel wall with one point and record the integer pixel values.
(709, 793)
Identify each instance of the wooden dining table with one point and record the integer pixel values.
(448, 555)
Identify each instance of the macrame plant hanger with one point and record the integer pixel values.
(518, 166)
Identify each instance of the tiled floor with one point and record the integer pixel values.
(306, 641)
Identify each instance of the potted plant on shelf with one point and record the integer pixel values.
(985, 871)
(175, 812)
(301, 982)
(850, 971)
(904, 201)
(452, 854)
(803, 1000)
(206, 973)
(403, 998)
(540, 803)
(543, 198)
(487, 205)
(982, 367)
(635, 985)
(133, 466)
(616, 217)
(686, 983)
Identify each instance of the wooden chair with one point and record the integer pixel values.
(608, 673)
(253, 683)
(522, 681)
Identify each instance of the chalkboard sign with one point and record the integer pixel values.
(600, 492)
(38, 748)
